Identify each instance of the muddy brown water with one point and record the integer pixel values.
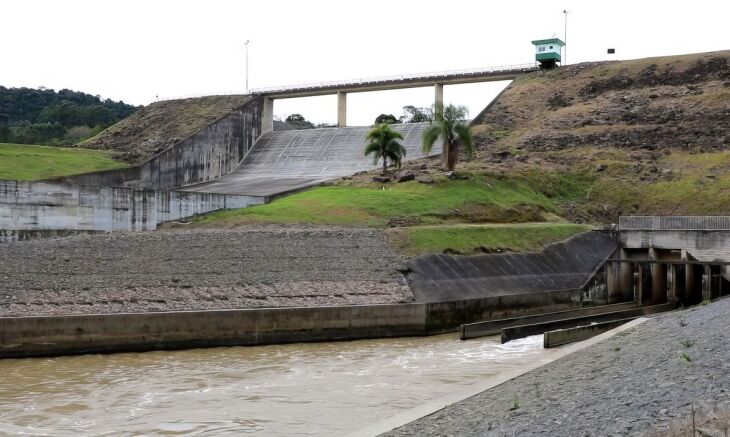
(299, 389)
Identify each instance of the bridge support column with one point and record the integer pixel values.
(267, 117)
(341, 109)
(658, 279)
(706, 282)
(439, 88)
(674, 284)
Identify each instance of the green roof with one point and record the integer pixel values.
(549, 41)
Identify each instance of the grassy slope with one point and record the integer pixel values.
(427, 218)
(480, 199)
(466, 239)
(24, 162)
(162, 124)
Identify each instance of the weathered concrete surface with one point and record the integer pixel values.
(627, 385)
(31, 336)
(703, 245)
(202, 269)
(495, 326)
(560, 337)
(204, 156)
(290, 160)
(566, 265)
(73, 334)
(50, 206)
(526, 330)
(8, 235)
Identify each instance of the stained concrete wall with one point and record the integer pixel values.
(701, 245)
(204, 156)
(561, 266)
(705, 245)
(45, 206)
(74, 334)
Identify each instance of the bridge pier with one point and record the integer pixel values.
(439, 88)
(658, 278)
(341, 109)
(267, 117)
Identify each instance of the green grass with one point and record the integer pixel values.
(26, 162)
(467, 239)
(699, 184)
(480, 199)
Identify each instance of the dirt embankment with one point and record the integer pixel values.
(202, 269)
(160, 125)
(680, 102)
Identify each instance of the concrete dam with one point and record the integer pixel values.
(166, 187)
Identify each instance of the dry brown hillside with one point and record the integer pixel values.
(646, 136)
(159, 125)
(679, 102)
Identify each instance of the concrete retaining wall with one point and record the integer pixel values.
(74, 334)
(204, 156)
(42, 207)
(560, 266)
(444, 316)
(705, 245)
(560, 337)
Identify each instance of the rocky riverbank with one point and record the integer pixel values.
(643, 381)
(200, 269)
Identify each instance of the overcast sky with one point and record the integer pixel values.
(136, 50)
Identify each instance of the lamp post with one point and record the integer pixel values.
(565, 38)
(246, 47)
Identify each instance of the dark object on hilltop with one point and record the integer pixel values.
(386, 118)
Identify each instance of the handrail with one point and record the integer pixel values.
(403, 77)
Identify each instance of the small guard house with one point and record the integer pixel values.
(547, 51)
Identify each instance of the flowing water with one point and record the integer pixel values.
(299, 389)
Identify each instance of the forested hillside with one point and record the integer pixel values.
(45, 116)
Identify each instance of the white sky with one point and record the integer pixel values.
(135, 50)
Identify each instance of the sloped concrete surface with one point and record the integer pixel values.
(289, 160)
(560, 266)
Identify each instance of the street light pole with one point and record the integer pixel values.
(246, 46)
(565, 37)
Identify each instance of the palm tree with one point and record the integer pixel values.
(449, 123)
(382, 140)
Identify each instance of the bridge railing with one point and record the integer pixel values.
(373, 80)
(673, 223)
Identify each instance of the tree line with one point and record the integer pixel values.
(65, 117)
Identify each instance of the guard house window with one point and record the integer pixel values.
(541, 49)
(551, 47)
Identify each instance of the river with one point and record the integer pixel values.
(298, 389)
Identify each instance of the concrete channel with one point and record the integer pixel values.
(127, 332)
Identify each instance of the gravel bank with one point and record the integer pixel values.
(200, 269)
(634, 383)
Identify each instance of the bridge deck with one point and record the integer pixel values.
(506, 72)
(285, 161)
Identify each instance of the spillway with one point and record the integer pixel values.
(289, 160)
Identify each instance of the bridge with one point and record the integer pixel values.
(342, 88)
